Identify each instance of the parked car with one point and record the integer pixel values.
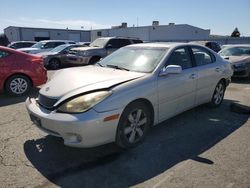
(239, 56)
(21, 44)
(84, 43)
(98, 49)
(210, 44)
(45, 45)
(57, 57)
(20, 71)
(120, 97)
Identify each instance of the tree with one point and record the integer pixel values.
(4, 41)
(235, 33)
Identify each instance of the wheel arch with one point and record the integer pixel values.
(15, 74)
(148, 104)
(55, 58)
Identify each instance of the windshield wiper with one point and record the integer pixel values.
(117, 67)
(99, 64)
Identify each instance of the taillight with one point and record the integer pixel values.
(37, 60)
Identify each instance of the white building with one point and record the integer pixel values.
(156, 32)
(36, 34)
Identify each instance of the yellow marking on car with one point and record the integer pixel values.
(112, 117)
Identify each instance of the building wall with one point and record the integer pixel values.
(19, 33)
(12, 33)
(175, 33)
(180, 32)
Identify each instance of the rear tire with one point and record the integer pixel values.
(218, 95)
(54, 64)
(133, 125)
(18, 85)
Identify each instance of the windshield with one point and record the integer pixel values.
(235, 51)
(134, 59)
(38, 45)
(60, 48)
(99, 43)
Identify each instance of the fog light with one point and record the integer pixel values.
(73, 138)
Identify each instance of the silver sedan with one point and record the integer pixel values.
(123, 95)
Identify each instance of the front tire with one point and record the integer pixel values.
(94, 60)
(18, 85)
(218, 95)
(133, 125)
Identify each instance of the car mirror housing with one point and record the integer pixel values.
(65, 52)
(170, 69)
(109, 46)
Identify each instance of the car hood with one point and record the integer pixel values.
(87, 48)
(72, 81)
(46, 53)
(239, 59)
(28, 49)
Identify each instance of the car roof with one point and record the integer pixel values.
(23, 41)
(11, 50)
(107, 38)
(163, 44)
(236, 45)
(56, 41)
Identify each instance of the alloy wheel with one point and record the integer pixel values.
(219, 93)
(136, 122)
(18, 86)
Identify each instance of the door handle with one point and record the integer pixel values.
(193, 76)
(217, 69)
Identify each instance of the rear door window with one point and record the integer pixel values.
(58, 44)
(202, 56)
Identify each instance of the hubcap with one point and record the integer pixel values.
(54, 64)
(219, 91)
(135, 126)
(18, 85)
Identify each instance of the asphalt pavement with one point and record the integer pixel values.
(202, 147)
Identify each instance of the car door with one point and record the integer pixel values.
(3, 66)
(111, 46)
(176, 92)
(209, 73)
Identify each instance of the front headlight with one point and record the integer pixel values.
(83, 103)
(85, 53)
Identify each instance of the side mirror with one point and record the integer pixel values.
(170, 69)
(109, 46)
(64, 52)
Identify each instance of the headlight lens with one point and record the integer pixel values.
(86, 53)
(83, 103)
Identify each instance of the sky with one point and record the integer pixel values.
(220, 16)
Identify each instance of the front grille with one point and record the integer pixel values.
(46, 102)
(240, 73)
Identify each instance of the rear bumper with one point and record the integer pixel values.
(41, 79)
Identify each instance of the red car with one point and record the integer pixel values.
(20, 71)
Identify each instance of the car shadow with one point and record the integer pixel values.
(241, 80)
(6, 100)
(183, 137)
